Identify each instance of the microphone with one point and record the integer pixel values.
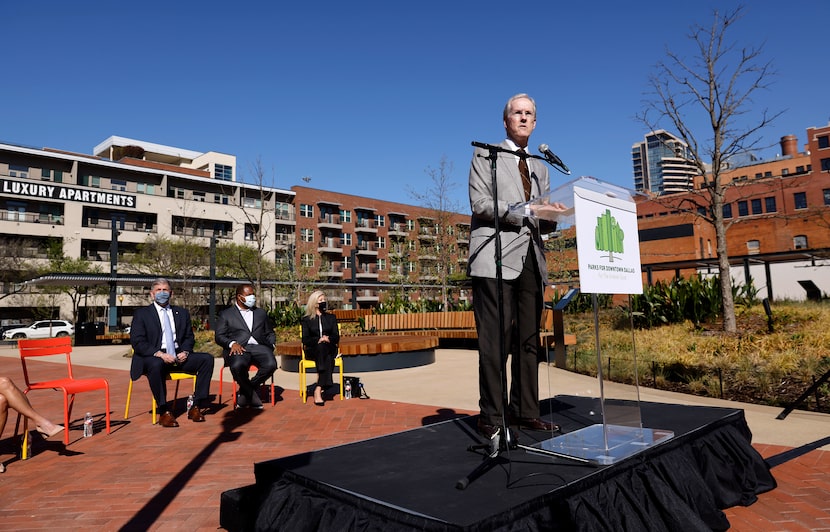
(551, 157)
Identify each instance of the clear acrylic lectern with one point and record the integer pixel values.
(604, 217)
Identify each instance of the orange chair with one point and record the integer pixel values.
(173, 376)
(252, 368)
(69, 385)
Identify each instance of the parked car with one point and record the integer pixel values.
(10, 326)
(41, 329)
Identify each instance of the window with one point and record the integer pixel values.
(380, 220)
(346, 238)
(410, 267)
(381, 264)
(347, 262)
(251, 232)
(411, 246)
(381, 242)
(307, 260)
(826, 193)
(307, 235)
(785, 171)
(118, 184)
(16, 170)
(756, 206)
(345, 216)
(770, 204)
(410, 225)
(51, 175)
(223, 172)
(283, 210)
(800, 242)
(252, 203)
(823, 141)
(221, 199)
(306, 211)
(198, 196)
(743, 208)
(727, 210)
(800, 199)
(753, 247)
(825, 165)
(145, 188)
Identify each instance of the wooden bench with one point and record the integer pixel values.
(370, 352)
(454, 324)
(115, 338)
(351, 315)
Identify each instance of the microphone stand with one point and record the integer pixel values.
(496, 445)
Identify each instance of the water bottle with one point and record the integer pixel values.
(190, 402)
(87, 425)
(348, 394)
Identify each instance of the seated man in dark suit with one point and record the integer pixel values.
(152, 332)
(247, 337)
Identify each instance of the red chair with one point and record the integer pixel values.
(252, 368)
(69, 385)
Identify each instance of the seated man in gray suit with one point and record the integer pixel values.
(247, 337)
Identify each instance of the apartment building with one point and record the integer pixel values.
(138, 190)
(135, 188)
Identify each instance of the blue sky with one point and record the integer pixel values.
(364, 97)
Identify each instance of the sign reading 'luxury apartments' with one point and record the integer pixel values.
(41, 190)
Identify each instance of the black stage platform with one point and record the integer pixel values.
(407, 481)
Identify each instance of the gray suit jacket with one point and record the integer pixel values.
(516, 230)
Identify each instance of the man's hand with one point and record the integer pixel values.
(237, 349)
(548, 211)
(181, 357)
(324, 339)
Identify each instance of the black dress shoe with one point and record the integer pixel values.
(487, 430)
(242, 401)
(535, 423)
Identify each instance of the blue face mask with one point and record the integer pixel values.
(250, 301)
(162, 298)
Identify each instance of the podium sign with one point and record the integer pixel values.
(608, 246)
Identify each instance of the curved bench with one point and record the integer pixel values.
(375, 352)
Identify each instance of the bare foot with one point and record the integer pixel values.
(50, 432)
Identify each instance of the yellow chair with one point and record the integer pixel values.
(306, 364)
(174, 376)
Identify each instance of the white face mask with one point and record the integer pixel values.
(250, 301)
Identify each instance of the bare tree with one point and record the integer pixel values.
(257, 219)
(437, 197)
(715, 86)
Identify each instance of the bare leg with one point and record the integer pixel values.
(15, 398)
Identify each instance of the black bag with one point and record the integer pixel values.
(358, 391)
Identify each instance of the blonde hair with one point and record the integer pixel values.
(311, 306)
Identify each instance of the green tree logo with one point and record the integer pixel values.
(608, 235)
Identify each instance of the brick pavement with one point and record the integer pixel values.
(145, 477)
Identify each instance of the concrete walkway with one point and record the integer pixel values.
(452, 382)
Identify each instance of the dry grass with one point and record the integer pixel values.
(754, 365)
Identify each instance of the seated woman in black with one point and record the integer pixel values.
(320, 339)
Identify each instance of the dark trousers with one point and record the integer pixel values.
(258, 355)
(523, 299)
(199, 364)
(323, 355)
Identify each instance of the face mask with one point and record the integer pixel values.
(250, 301)
(162, 298)
(321, 306)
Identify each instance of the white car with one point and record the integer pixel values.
(41, 329)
